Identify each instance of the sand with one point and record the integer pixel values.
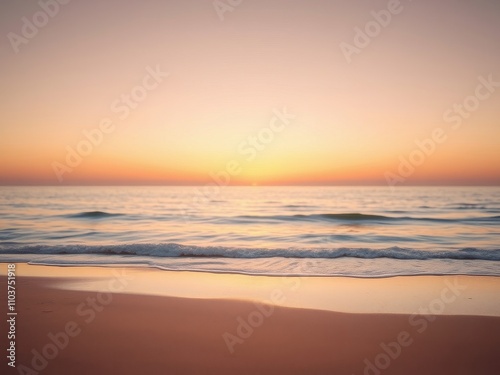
(61, 331)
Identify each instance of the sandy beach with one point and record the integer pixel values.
(256, 187)
(113, 331)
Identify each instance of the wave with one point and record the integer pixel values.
(467, 206)
(325, 217)
(176, 250)
(91, 215)
(353, 217)
(361, 217)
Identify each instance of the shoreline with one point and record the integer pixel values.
(114, 330)
(160, 268)
(473, 295)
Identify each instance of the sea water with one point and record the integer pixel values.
(316, 231)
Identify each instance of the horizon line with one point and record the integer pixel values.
(252, 185)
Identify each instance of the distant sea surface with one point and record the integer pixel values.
(317, 231)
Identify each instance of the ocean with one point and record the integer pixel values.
(300, 231)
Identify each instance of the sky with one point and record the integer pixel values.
(257, 92)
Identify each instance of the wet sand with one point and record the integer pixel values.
(88, 332)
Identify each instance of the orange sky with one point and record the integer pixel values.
(200, 88)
